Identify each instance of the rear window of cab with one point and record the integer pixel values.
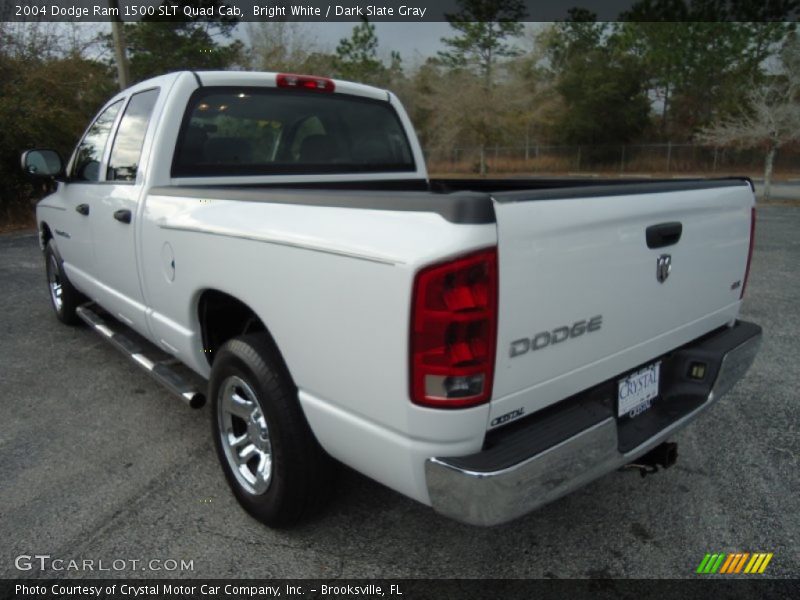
(258, 131)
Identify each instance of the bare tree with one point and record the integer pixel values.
(485, 30)
(33, 41)
(279, 45)
(772, 118)
(479, 118)
(532, 88)
(44, 41)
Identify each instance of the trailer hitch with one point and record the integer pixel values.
(664, 455)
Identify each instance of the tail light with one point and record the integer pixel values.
(304, 82)
(453, 332)
(750, 249)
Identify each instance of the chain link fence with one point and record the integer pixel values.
(668, 158)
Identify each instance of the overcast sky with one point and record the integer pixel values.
(410, 39)
(414, 41)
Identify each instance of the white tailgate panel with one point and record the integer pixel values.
(562, 261)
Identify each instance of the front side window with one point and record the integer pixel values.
(89, 153)
(127, 149)
(247, 131)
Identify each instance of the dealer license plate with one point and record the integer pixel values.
(637, 390)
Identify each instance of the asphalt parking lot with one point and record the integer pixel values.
(98, 462)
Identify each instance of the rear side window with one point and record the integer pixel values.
(89, 153)
(127, 149)
(247, 131)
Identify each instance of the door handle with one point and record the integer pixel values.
(83, 209)
(123, 216)
(663, 234)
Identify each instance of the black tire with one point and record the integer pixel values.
(63, 297)
(300, 472)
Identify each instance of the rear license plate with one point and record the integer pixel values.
(636, 391)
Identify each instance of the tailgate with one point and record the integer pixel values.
(582, 297)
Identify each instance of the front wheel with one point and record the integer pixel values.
(64, 298)
(271, 459)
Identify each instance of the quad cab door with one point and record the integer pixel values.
(82, 191)
(114, 213)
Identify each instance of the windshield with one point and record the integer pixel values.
(253, 131)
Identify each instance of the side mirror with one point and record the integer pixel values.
(42, 164)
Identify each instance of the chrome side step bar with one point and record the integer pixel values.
(161, 371)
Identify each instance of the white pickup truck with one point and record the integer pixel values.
(482, 346)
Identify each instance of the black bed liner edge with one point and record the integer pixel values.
(452, 199)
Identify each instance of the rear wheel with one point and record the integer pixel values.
(271, 459)
(64, 298)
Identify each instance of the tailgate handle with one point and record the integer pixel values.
(663, 234)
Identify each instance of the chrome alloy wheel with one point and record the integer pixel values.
(245, 435)
(54, 281)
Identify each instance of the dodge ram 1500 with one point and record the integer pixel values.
(482, 346)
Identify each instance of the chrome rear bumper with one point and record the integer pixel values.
(490, 497)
